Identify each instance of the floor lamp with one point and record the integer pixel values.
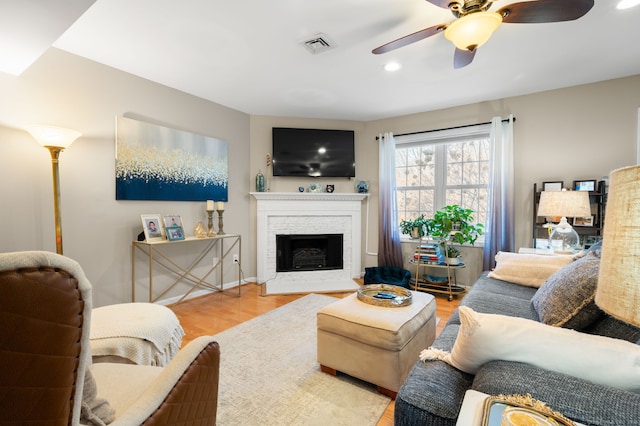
(55, 139)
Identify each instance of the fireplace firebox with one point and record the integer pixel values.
(308, 252)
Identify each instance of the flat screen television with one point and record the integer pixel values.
(313, 152)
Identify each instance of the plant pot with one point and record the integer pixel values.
(415, 233)
(453, 261)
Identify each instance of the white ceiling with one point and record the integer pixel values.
(247, 54)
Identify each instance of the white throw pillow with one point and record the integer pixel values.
(489, 337)
(530, 270)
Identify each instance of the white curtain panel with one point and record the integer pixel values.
(499, 228)
(389, 248)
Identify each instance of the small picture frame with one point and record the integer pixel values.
(584, 185)
(552, 186)
(315, 187)
(583, 221)
(172, 221)
(330, 188)
(152, 226)
(175, 233)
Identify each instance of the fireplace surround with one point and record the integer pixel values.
(280, 213)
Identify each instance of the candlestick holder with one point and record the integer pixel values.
(210, 230)
(220, 231)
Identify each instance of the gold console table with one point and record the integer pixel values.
(157, 256)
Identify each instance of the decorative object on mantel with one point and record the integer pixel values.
(259, 181)
(210, 231)
(315, 187)
(220, 210)
(362, 186)
(301, 189)
(269, 172)
(330, 188)
(618, 291)
(199, 231)
(55, 139)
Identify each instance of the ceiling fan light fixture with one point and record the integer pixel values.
(473, 30)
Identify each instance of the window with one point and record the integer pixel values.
(440, 168)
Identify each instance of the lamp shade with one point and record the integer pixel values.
(564, 203)
(473, 30)
(618, 291)
(53, 136)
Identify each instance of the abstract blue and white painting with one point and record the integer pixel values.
(159, 163)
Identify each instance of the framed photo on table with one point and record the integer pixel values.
(172, 221)
(552, 186)
(583, 221)
(584, 185)
(152, 226)
(175, 233)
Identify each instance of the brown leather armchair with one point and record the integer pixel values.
(45, 312)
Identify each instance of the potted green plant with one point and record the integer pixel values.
(452, 255)
(454, 224)
(416, 228)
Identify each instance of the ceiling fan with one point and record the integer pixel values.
(475, 24)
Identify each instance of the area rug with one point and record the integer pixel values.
(269, 374)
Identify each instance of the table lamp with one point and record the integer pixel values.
(564, 239)
(55, 139)
(618, 292)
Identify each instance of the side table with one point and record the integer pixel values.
(199, 248)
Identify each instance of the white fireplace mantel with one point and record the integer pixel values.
(309, 196)
(308, 213)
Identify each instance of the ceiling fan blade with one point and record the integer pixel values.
(463, 57)
(542, 11)
(411, 38)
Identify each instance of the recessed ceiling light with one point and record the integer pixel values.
(392, 66)
(626, 4)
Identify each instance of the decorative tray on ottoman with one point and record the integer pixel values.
(390, 296)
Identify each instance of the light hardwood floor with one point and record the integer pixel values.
(216, 312)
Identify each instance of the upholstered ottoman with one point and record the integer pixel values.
(376, 344)
(135, 333)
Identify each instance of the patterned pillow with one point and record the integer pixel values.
(566, 299)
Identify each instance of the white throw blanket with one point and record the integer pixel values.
(144, 333)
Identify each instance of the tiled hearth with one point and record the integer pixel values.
(308, 213)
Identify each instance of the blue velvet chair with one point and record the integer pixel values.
(387, 275)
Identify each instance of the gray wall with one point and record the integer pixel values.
(577, 133)
(581, 132)
(65, 90)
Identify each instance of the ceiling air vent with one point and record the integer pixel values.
(318, 44)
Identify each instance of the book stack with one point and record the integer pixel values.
(427, 253)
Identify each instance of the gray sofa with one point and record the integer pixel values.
(433, 392)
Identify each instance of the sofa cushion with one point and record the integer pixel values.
(527, 269)
(567, 298)
(489, 337)
(438, 389)
(504, 304)
(613, 327)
